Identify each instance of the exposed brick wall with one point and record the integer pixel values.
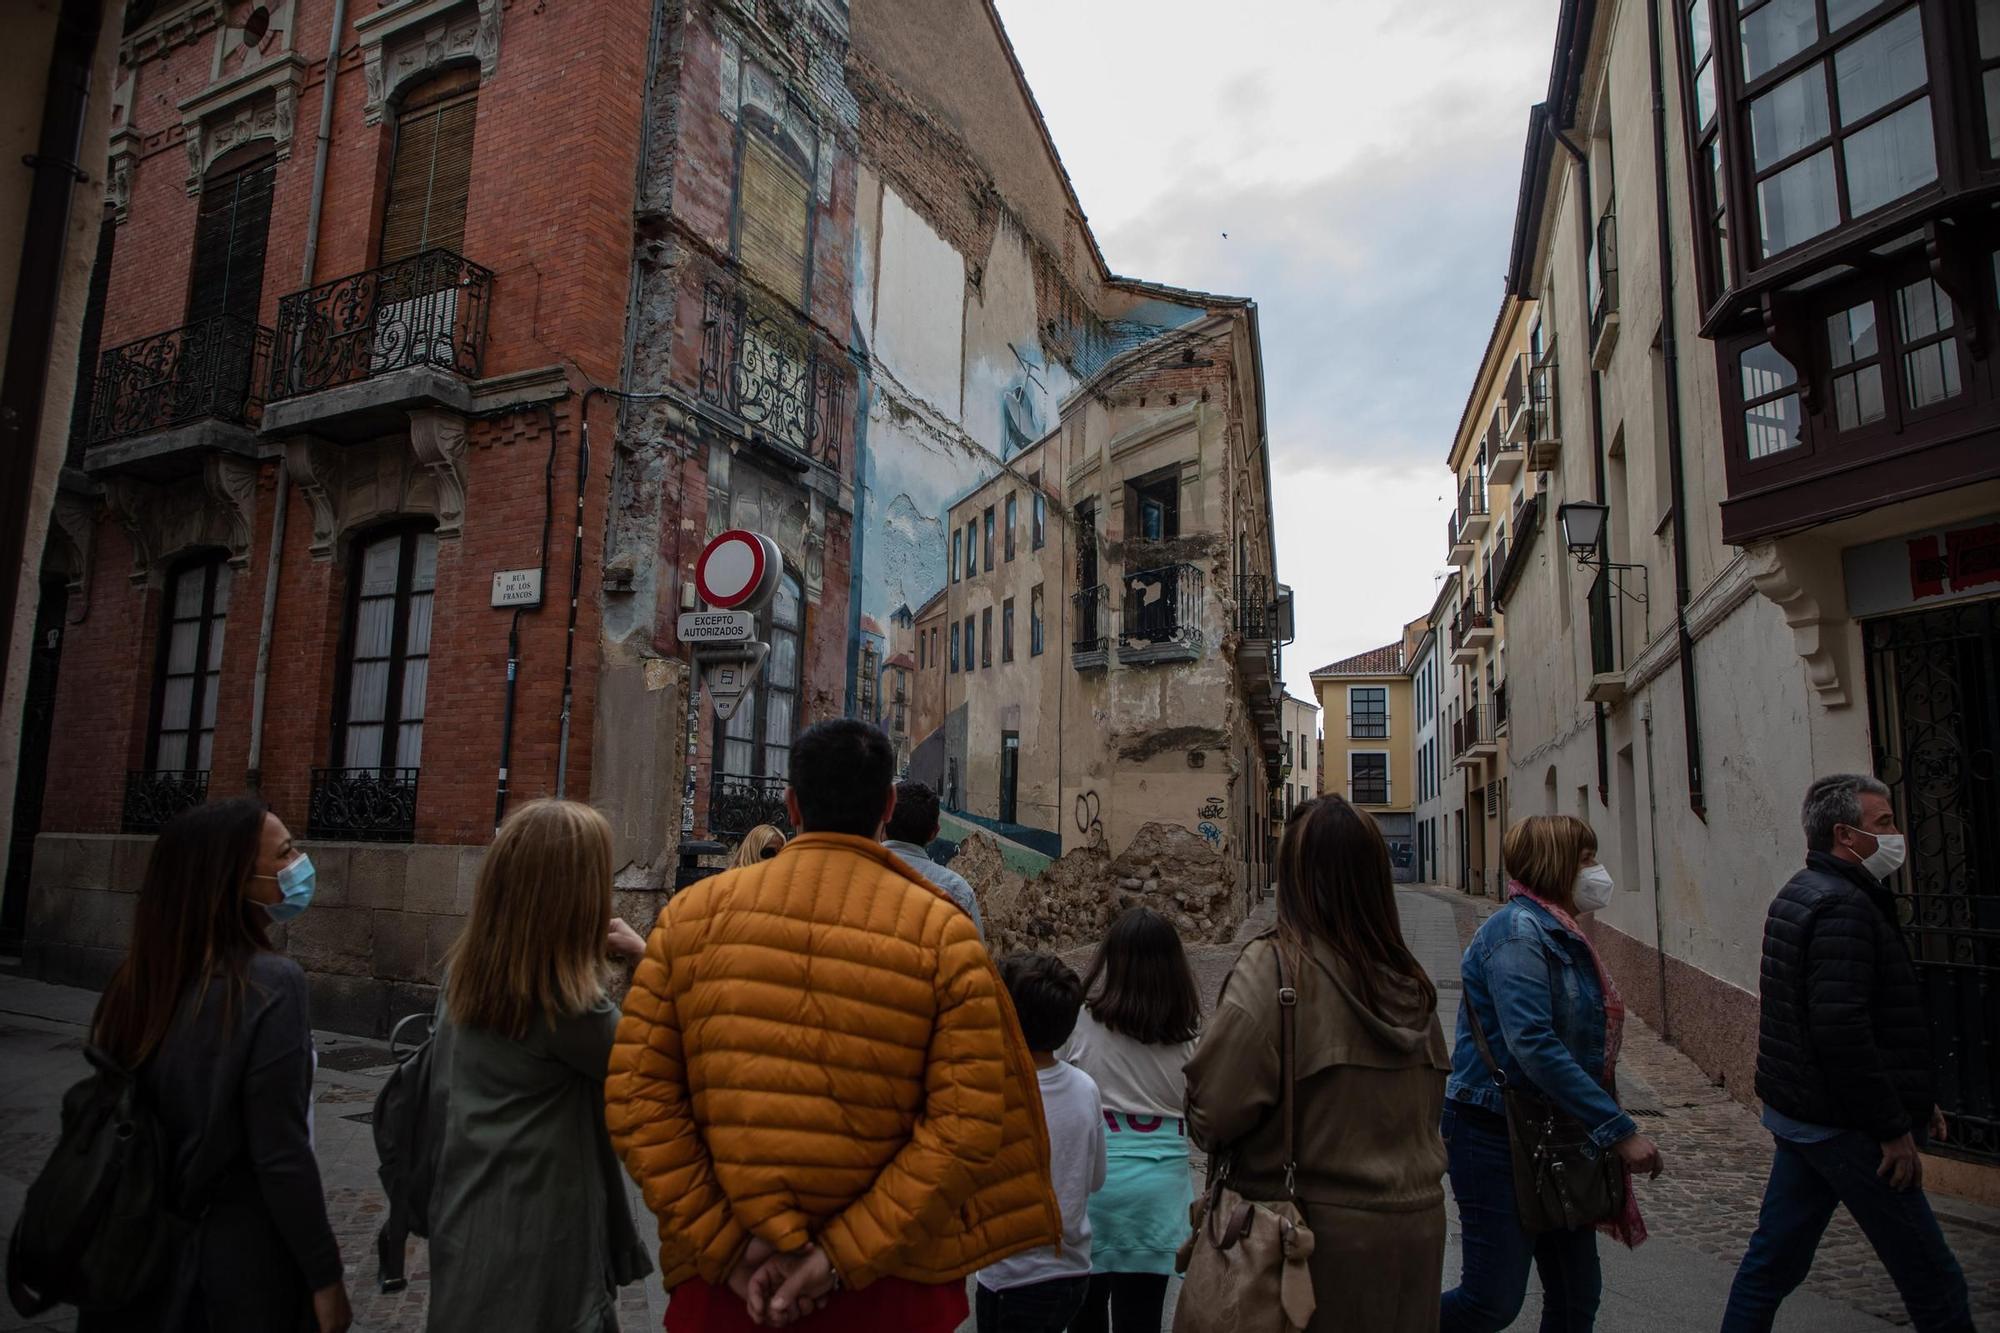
(554, 161)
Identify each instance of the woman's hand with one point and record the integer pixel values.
(624, 941)
(331, 1310)
(1640, 1154)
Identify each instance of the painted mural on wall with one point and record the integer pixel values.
(966, 368)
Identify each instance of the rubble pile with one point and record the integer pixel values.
(1166, 867)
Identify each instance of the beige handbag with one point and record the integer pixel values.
(1245, 1267)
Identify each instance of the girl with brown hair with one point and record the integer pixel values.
(1552, 1018)
(1134, 1038)
(1369, 1077)
(529, 1224)
(215, 1023)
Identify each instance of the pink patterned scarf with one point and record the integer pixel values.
(1628, 1226)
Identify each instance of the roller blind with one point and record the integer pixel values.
(773, 207)
(230, 229)
(430, 178)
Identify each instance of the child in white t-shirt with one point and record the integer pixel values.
(1041, 1290)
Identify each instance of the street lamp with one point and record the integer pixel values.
(1582, 527)
(1582, 523)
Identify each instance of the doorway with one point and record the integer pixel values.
(1934, 722)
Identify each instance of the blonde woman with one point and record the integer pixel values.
(1552, 1017)
(530, 1227)
(759, 844)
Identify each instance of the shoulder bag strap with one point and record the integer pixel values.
(1479, 1038)
(1288, 1060)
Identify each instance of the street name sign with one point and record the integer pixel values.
(517, 587)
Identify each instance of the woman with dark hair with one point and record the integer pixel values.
(1134, 1038)
(1552, 1018)
(1368, 1076)
(216, 1025)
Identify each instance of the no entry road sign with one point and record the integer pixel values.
(739, 571)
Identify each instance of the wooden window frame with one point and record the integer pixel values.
(954, 648)
(985, 637)
(1037, 621)
(231, 172)
(756, 705)
(399, 630)
(209, 564)
(1007, 630)
(1013, 521)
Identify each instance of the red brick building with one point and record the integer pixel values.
(562, 290)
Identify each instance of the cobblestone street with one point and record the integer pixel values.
(1700, 1213)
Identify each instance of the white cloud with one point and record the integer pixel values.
(1363, 160)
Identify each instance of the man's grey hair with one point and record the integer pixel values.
(1836, 800)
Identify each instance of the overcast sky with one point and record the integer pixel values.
(1363, 161)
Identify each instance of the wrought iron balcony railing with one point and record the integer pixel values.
(212, 370)
(427, 310)
(764, 367)
(1253, 606)
(1472, 498)
(739, 802)
(154, 797)
(1466, 732)
(1545, 415)
(1162, 606)
(1093, 614)
(363, 804)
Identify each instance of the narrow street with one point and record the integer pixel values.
(1700, 1213)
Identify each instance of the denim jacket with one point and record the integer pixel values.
(1535, 989)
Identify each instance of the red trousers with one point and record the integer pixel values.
(891, 1305)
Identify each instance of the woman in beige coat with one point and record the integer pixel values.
(1370, 1077)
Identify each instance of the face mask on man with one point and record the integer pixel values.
(1887, 858)
(295, 882)
(1593, 889)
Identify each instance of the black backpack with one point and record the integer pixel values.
(98, 1230)
(406, 1150)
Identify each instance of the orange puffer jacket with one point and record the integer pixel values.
(818, 1048)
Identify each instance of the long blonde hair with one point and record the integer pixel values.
(759, 844)
(1545, 852)
(534, 944)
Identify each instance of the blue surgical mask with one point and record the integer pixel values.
(295, 881)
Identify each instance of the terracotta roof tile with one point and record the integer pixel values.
(1384, 661)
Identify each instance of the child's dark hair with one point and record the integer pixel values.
(1047, 996)
(1140, 985)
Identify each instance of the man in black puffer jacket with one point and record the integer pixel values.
(1844, 1068)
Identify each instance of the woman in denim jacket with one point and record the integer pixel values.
(1553, 1018)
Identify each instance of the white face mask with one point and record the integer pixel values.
(1593, 889)
(1887, 858)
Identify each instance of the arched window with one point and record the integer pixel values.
(189, 666)
(430, 175)
(385, 662)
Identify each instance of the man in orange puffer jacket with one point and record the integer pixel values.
(819, 1082)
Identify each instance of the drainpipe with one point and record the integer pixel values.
(23, 390)
(281, 493)
(1585, 226)
(1676, 463)
(1659, 908)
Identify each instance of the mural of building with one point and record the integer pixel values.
(1111, 620)
(820, 273)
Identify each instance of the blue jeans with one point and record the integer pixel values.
(1807, 1181)
(1038, 1307)
(1497, 1249)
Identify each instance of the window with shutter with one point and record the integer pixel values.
(774, 204)
(430, 176)
(230, 229)
(386, 667)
